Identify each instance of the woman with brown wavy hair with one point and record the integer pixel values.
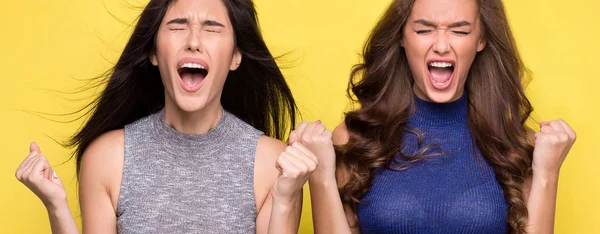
(439, 143)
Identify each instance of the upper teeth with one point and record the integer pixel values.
(440, 64)
(192, 65)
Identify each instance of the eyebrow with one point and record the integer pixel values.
(185, 21)
(452, 25)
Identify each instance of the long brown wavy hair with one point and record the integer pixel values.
(498, 109)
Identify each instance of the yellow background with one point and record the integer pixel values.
(47, 45)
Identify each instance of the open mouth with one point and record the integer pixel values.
(192, 74)
(440, 74)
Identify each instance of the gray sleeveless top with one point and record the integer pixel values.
(177, 183)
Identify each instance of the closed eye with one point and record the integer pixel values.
(423, 31)
(461, 32)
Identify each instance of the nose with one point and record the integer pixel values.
(441, 45)
(194, 42)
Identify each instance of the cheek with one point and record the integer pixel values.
(415, 54)
(221, 54)
(465, 52)
(162, 50)
(221, 51)
(416, 48)
(164, 54)
(465, 48)
(169, 43)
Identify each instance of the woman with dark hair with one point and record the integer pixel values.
(176, 141)
(439, 142)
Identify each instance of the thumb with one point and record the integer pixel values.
(33, 147)
(293, 138)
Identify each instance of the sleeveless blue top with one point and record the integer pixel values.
(456, 192)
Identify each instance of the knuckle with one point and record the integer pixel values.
(302, 172)
(312, 167)
(302, 167)
(554, 140)
(288, 149)
(563, 137)
(324, 139)
(306, 138)
(278, 161)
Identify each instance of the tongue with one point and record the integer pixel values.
(440, 75)
(191, 79)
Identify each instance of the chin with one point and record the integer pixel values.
(190, 104)
(442, 96)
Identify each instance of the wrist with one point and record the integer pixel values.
(322, 181)
(53, 206)
(58, 209)
(546, 177)
(286, 203)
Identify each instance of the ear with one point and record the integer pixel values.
(481, 45)
(153, 59)
(236, 60)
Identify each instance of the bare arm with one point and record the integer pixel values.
(541, 203)
(551, 146)
(61, 220)
(278, 211)
(36, 173)
(329, 215)
(99, 182)
(285, 215)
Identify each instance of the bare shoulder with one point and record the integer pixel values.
(269, 147)
(340, 134)
(106, 151)
(265, 173)
(102, 165)
(268, 150)
(340, 137)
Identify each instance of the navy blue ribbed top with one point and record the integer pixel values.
(456, 192)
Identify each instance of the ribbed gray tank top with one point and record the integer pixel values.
(177, 183)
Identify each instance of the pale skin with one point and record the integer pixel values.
(437, 30)
(188, 30)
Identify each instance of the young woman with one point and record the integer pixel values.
(439, 142)
(175, 142)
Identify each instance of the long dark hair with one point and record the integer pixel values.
(256, 92)
(498, 109)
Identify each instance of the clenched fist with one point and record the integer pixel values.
(552, 144)
(36, 173)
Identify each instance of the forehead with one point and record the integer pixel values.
(198, 10)
(445, 11)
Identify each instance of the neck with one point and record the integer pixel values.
(430, 114)
(421, 95)
(196, 122)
